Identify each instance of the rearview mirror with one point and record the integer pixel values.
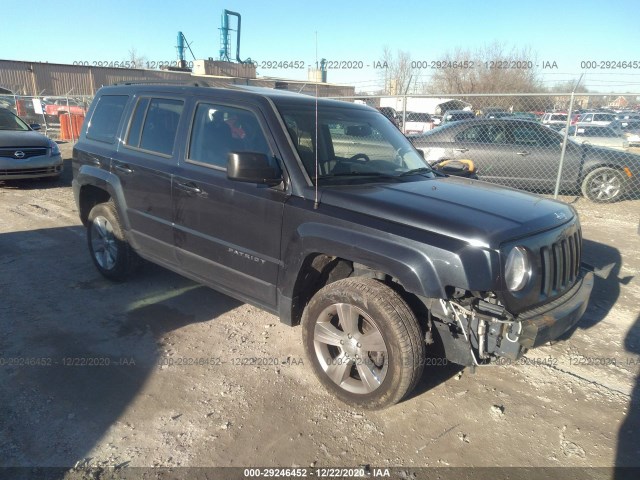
(359, 131)
(252, 167)
(35, 126)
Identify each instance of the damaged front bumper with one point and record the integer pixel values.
(471, 336)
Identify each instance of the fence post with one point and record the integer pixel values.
(565, 138)
(404, 113)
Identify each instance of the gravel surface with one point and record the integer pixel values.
(160, 371)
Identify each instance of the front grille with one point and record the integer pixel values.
(28, 152)
(30, 171)
(560, 265)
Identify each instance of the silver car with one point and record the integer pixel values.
(25, 153)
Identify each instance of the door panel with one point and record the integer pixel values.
(227, 233)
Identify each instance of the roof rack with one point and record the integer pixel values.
(199, 83)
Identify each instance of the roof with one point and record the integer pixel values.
(198, 88)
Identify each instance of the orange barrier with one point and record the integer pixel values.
(70, 126)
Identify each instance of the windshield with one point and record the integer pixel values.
(352, 143)
(8, 121)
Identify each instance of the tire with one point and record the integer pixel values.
(352, 309)
(111, 253)
(603, 185)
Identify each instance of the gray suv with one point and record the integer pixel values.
(324, 214)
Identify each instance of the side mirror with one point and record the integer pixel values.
(252, 167)
(35, 126)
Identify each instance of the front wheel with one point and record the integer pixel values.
(364, 342)
(111, 253)
(603, 185)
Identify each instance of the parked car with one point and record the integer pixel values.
(417, 122)
(59, 106)
(554, 118)
(526, 155)
(377, 258)
(456, 115)
(596, 118)
(629, 129)
(391, 114)
(24, 152)
(597, 135)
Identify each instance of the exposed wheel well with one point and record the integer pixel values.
(90, 196)
(319, 270)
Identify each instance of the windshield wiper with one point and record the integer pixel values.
(356, 174)
(416, 171)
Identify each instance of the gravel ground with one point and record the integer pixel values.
(163, 372)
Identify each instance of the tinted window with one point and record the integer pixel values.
(160, 125)
(534, 136)
(133, 138)
(106, 118)
(218, 130)
(483, 134)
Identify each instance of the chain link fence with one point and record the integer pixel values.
(59, 117)
(585, 144)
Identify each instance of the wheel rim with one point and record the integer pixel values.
(350, 348)
(605, 186)
(103, 243)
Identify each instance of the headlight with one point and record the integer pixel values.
(55, 150)
(517, 269)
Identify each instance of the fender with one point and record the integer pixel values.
(422, 269)
(105, 180)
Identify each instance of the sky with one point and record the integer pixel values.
(567, 33)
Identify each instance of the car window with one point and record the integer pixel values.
(160, 125)
(217, 130)
(106, 117)
(9, 121)
(587, 118)
(135, 129)
(483, 134)
(533, 135)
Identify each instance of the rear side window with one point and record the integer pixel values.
(106, 118)
(154, 124)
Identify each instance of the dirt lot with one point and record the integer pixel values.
(142, 406)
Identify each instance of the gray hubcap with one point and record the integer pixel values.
(350, 348)
(605, 186)
(103, 243)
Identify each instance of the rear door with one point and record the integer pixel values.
(536, 158)
(144, 166)
(227, 233)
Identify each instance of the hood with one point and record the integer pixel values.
(617, 157)
(30, 138)
(469, 210)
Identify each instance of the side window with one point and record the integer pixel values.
(483, 134)
(587, 118)
(135, 129)
(217, 130)
(105, 120)
(160, 125)
(534, 136)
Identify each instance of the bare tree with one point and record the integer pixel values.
(397, 72)
(488, 69)
(137, 60)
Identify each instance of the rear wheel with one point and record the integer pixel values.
(603, 185)
(364, 342)
(111, 253)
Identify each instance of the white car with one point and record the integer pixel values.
(417, 123)
(597, 135)
(596, 118)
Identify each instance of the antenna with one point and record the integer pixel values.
(315, 203)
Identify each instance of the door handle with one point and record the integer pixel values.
(524, 154)
(123, 168)
(189, 187)
(461, 150)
